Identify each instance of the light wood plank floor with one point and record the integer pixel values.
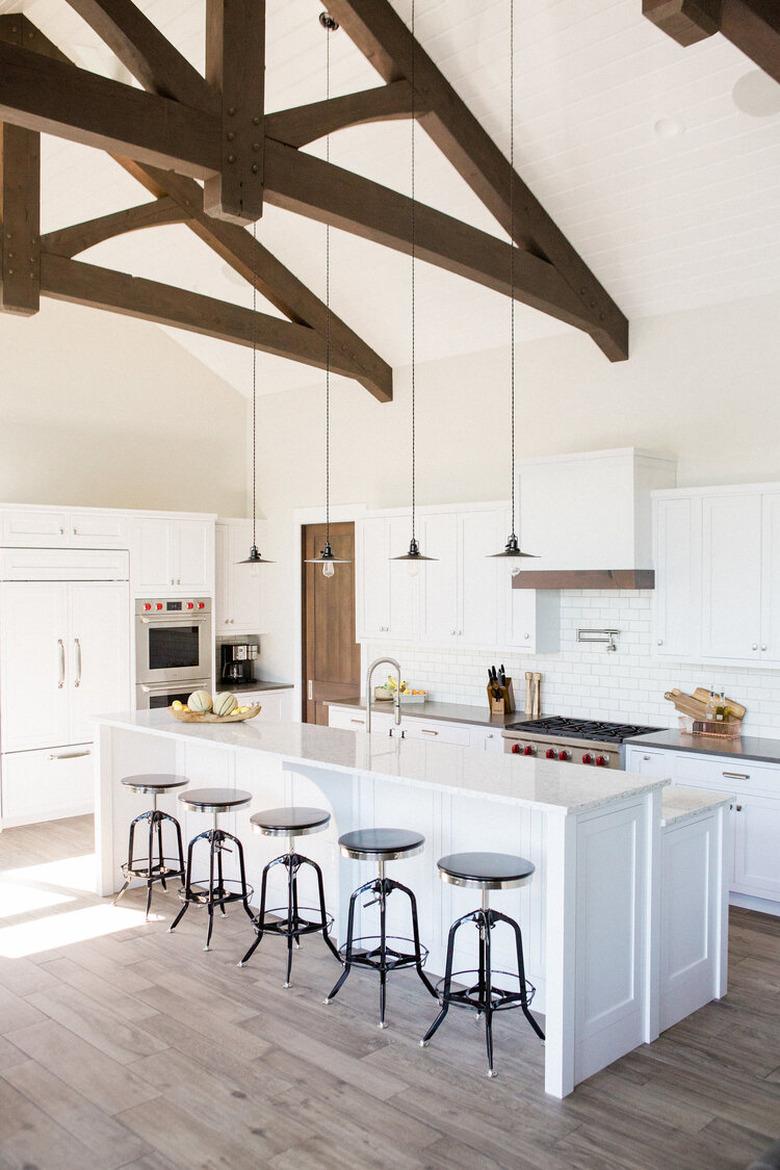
(124, 1046)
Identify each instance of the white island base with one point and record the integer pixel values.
(624, 921)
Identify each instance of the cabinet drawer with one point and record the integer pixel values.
(30, 527)
(354, 719)
(47, 785)
(437, 731)
(734, 775)
(98, 530)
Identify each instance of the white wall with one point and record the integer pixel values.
(701, 384)
(102, 410)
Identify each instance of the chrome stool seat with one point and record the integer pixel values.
(476, 989)
(288, 921)
(383, 953)
(153, 869)
(217, 890)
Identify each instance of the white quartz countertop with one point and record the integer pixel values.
(543, 784)
(680, 804)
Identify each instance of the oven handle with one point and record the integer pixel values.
(170, 621)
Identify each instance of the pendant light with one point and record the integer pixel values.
(512, 547)
(413, 556)
(254, 557)
(327, 557)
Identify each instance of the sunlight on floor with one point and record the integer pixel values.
(61, 930)
(70, 873)
(16, 898)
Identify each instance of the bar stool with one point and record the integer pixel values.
(291, 823)
(219, 890)
(151, 871)
(485, 872)
(377, 951)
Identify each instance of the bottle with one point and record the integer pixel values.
(721, 709)
(709, 710)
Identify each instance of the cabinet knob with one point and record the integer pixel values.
(526, 636)
(763, 645)
(660, 642)
(755, 645)
(739, 808)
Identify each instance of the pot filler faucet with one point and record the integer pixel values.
(396, 701)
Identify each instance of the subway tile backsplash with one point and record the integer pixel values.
(587, 680)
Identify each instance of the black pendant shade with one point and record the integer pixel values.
(254, 558)
(413, 554)
(327, 556)
(512, 549)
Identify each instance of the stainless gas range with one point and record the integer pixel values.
(576, 741)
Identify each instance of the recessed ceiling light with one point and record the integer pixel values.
(668, 127)
(757, 94)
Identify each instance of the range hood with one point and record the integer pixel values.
(588, 518)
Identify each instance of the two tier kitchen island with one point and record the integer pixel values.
(624, 922)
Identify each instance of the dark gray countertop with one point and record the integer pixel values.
(449, 712)
(747, 747)
(256, 685)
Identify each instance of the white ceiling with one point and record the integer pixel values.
(633, 144)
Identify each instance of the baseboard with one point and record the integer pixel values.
(761, 905)
(78, 810)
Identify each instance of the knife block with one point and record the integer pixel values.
(504, 705)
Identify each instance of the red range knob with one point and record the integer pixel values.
(601, 761)
(551, 754)
(147, 605)
(587, 758)
(190, 605)
(564, 755)
(201, 605)
(159, 605)
(516, 748)
(529, 750)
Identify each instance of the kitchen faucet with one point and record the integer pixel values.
(396, 699)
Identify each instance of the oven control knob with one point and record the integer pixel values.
(587, 758)
(516, 749)
(190, 605)
(563, 754)
(602, 761)
(551, 754)
(201, 605)
(159, 605)
(529, 750)
(147, 605)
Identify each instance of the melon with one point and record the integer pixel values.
(225, 703)
(199, 702)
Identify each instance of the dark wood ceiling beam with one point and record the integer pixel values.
(382, 36)
(275, 282)
(304, 124)
(752, 25)
(319, 190)
(235, 67)
(146, 54)
(20, 213)
(55, 97)
(101, 288)
(70, 241)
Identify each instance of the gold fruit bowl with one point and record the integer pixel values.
(210, 717)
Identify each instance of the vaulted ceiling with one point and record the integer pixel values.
(637, 147)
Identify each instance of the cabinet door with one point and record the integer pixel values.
(153, 561)
(405, 580)
(34, 664)
(676, 599)
(97, 530)
(440, 602)
(770, 579)
(194, 555)
(99, 654)
(756, 854)
(649, 763)
(27, 527)
(374, 577)
(244, 581)
(731, 565)
(480, 536)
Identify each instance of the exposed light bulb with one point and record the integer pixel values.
(413, 568)
(328, 569)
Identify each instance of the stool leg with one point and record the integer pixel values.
(150, 871)
(242, 876)
(382, 947)
(220, 882)
(323, 912)
(259, 920)
(214, 847)
(131, 839)
(521, 973)
(296, 865)
(187, 886)
(159, 820)
(292, 912)
(416, 937)
(179, 844)
(350, 935)
(486, 925)
(445, 1004)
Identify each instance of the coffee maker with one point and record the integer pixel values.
(236, 660)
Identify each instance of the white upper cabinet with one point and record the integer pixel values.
(481, 534)
(717, 594)
(96, 529)
(173, 555)
(533, 620)
(237, 590)
(440, 578)
(34, 527)
(388, 593)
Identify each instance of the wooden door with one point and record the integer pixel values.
(331, 656)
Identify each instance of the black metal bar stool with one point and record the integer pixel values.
(288, 920)
(147, 868)
(485, 872)
(377, 951)
(218, 890)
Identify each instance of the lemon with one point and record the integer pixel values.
(177, 705)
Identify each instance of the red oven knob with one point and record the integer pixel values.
(563, 754)
(190, 605)
(601, 761)
(159, 605)
(587, 758)
(529, 750)
(551, 754)
(147, 605)
(516, 748)
(201, 605)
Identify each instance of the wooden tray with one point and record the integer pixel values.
(209, 717)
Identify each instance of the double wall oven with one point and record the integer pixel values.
(173, 649)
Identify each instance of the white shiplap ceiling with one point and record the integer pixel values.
(635, 146)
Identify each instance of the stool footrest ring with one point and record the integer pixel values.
(283, 925)
(168, 867)
(465, 991)
(228, 890)
(367, 952)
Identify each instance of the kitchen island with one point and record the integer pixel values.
(623, 933)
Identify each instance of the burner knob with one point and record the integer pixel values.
(159, 605)
(564, 755)
(190, 605)
(147, 606)
(587, 758)
(602, 761)
(551, 754)
(516, 749)
(529, 750)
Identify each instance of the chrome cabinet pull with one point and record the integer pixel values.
(428, 731)
(61, 649)
(77, 645)
(69, 755)
(362, 721)
(763, 646)
(735, 775)
(755, 645)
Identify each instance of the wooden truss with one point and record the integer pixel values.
(181, 127)
(752, 25)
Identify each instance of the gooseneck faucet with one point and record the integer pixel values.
(396, 701)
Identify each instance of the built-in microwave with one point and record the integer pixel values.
(173, 641)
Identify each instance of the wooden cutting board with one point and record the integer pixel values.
(737, 709)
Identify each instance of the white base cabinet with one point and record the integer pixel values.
(47, 785)
(418, 727)
(40, 527)
(277, 706)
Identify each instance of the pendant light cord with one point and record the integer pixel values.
(327, 308)
(413, 306)
(254, 392)
(512, 240)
